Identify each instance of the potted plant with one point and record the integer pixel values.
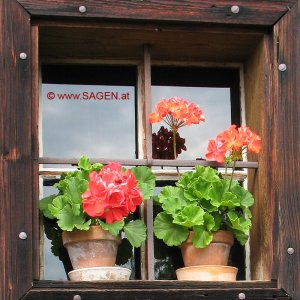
(93, 206)
(205, 208)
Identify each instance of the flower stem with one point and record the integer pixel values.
(231, 177)
(174, 143)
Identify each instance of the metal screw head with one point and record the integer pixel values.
(282, 67)
(235, 9)
(23, 55)
(290, 251)
(242, 296)
(76, 297)
(23, 235)
(82, 9)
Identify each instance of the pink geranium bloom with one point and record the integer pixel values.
(216, 151)
(176, 112)
(234, 140)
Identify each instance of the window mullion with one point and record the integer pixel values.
(148, 273)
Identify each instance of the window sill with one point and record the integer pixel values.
(159, 289)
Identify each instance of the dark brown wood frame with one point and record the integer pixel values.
(277, 180)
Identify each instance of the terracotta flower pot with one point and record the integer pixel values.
(93, 248)
(216, 253)
(207, 273)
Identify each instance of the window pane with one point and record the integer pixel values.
(92, 120)
(215, 103)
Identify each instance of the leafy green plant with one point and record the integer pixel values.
(204, 202)
(78, 204)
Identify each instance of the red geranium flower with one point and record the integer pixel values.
(112, 193)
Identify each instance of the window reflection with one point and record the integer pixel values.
(97, 121)
(215, 103)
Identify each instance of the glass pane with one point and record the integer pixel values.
(92, 120)
(216, 106)
(56, 263)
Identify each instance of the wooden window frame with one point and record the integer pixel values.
(278, 112)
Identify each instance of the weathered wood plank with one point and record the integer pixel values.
(15, 152)
(35, 147)
(156, 284)
(259, 12)
(156, 290)
(259, 118)
(285, 173)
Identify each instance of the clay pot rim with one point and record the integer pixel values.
(208, 267)
(220, 236)
(94, 233)
(100, 268)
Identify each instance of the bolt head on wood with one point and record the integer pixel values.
(242, 296)
(23, 55)
(235, 9)
(290, 251)
(282, 67)
(23, 235)
(82, 9)
(76, 297)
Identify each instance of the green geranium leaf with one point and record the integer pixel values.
(209, 221)
(246, 198)
(207, 206)
(248, 213)
(201, 174)
(75, 188)
(43, 205)
(84, 163)
(201, 188)
(230, 200)
(76, 209)
(84, 226)
(207, 174)
(218, 219)
(202, 237)
(63, 182)
(239, 222)
(135, 232)
(146, 180)
(171, 199)
(172, 234)
(68, 221)
(190, 216)
(114, 228)
(240, 236)
(217, 191)
(57, 205)
(185, 179)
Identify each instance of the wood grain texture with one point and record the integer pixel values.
(155, 290)
(286, 170)
(15, 152)
(259, 117)
(260, 12)
(169, 42)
